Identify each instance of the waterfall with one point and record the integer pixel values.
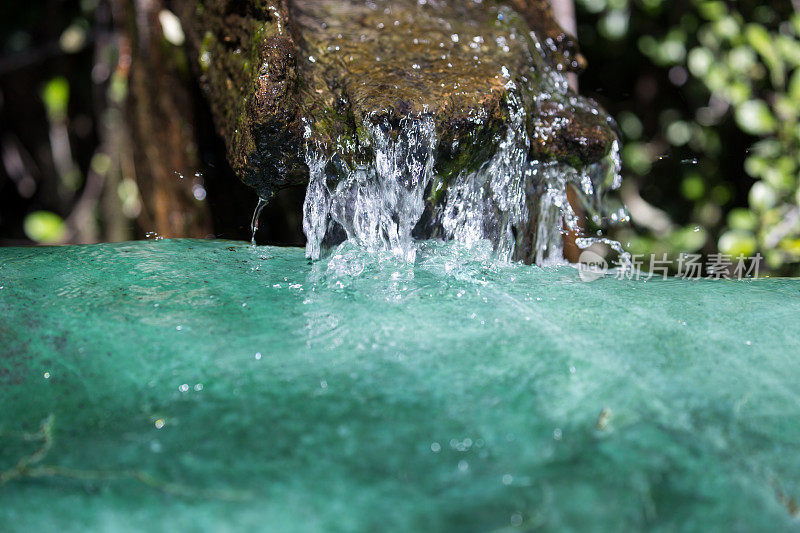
(386, 189)
(377, 203)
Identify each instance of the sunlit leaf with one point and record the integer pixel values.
(755, 118)
(55, 96)
(738, 242)
(44, 227)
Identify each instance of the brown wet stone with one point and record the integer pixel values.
(275, 72)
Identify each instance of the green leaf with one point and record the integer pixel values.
(761, 40)
(790, 49)
(754, 117)
(44, 227)
(693, 187)
(55, 96)
(689, 238)
(742, 219)
(700, 60)
(762, 197)
(794, 86)
(737, 242)
(712, 10)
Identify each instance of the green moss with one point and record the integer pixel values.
(204, 54)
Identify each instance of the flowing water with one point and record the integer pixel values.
(380, 184)
(215, 386)
(379, 204)
(262, 203)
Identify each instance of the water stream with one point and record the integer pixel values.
(392, 194)
(378, 205)
(262, 203)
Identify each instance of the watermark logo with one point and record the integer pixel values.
(593, 266)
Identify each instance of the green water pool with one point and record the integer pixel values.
(215, 386)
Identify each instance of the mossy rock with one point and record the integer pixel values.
(283, 75)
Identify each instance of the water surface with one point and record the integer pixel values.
(215, 385)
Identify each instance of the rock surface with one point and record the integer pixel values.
(280, 75)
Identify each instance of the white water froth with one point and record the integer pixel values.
(499, 201)
(377, 204)
(485, 204)
(511, 201)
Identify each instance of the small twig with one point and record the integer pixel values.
(25, 468)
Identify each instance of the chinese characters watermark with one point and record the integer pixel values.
(593, 266)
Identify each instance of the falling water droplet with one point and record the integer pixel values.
(254, 223)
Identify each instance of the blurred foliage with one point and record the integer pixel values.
(712, 127)
(75, 163)
(45, 227)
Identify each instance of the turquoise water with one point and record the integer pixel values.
(216, 386)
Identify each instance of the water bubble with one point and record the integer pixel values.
(184, 387)
(557, 434)
(508, 479)
(463, 466)
(46, 375)
(436, 447)
(323, 384)
(516, 519)
(198, 387)
(159, 423)
(199, 192)
(258, 356)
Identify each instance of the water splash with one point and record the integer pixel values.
(488, 203)
(522, 205)
(518, 204)
(377, 203)
(516, 201)
(254, 222)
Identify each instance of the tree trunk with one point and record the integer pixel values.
(162, 128)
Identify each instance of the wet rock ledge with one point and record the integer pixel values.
(281, 76)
